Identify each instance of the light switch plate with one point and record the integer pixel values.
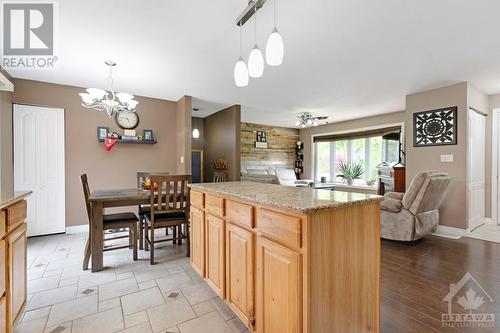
(447, 158)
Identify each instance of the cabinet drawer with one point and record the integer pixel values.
(239, 213)
(197, 199)
(3, 223)
(214, 205)
(280, 227)
(16, 214)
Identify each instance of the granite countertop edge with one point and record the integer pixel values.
(10, 199)
(303, 210)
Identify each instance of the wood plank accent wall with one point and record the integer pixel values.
(280, 152)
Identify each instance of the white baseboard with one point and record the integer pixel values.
(449, 232)
(76, 229)
(489, 220)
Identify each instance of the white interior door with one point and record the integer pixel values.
(39, 166)
(476, 161)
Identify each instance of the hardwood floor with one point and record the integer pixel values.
(417, 276)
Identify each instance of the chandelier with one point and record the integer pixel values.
(306, 119)
(275, 49)
(110, 102)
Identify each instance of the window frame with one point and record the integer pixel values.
(368, 148)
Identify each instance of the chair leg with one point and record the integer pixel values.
(174, 234)
(152, 250)
(141, 232)
(130, 238)
(180, 235)
(134, 237)
(188, 240)
(86, 255)
(146, 236)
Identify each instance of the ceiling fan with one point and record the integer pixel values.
(306, 119)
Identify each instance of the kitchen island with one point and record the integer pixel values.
(289, 259)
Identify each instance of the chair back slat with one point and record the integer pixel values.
(86, 194)
(170, 196)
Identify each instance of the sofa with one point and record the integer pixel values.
(414, 214)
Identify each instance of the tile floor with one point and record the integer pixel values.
(127, 296)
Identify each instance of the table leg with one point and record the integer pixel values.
(97, 236)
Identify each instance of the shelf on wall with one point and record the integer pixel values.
(140, 142)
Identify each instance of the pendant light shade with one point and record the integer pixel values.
(241, 73)
(196, 133)
(256, 63)
(275, 49)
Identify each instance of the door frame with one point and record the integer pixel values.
(495, 164)
(467, 169)
(63, 151)
(201, 162)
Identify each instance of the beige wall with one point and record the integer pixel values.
(6, 166)
(453, 210)
(184, 135)
(280, 151)
(306, 134)
(115, 169)
(222, 137)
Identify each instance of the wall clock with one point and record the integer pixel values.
(127, 120)
(435, 127)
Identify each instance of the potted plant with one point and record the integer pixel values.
(350, 171)
(372, 181)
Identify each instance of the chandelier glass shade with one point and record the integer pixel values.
(111, 102)
(256, 63)
(196, 133)
(275, 49)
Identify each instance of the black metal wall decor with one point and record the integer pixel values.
(435, 127)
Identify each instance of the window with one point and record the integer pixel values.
(369, 151)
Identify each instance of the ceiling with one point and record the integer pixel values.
(343, 58)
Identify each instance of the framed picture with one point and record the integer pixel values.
(148, 134)
(435, 127)
(261, 136)
(102, 132)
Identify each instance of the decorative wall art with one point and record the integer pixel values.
(435, 127)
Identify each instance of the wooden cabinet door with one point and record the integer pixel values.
(215, 256)
(16, 244)
(3, 314)
(240, 272)
(279, 288)
(197, 234)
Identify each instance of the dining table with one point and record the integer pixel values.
(101, 199)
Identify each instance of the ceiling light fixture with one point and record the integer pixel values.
(110, 102)
(256, 59)
(196, 132)
(306, 119)
(241, 70)
(275, 49)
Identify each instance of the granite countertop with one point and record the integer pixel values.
(11, 198)
(301, 199)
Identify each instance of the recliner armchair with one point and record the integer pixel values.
(414, 214)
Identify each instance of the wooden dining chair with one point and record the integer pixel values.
(220, 176)
(169, 207)
(110, 221)
(143, 209)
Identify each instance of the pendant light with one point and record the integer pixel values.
(256, 59)
(196, 132)
(275, 49)
(240, 70)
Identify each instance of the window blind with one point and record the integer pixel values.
(388, 131)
